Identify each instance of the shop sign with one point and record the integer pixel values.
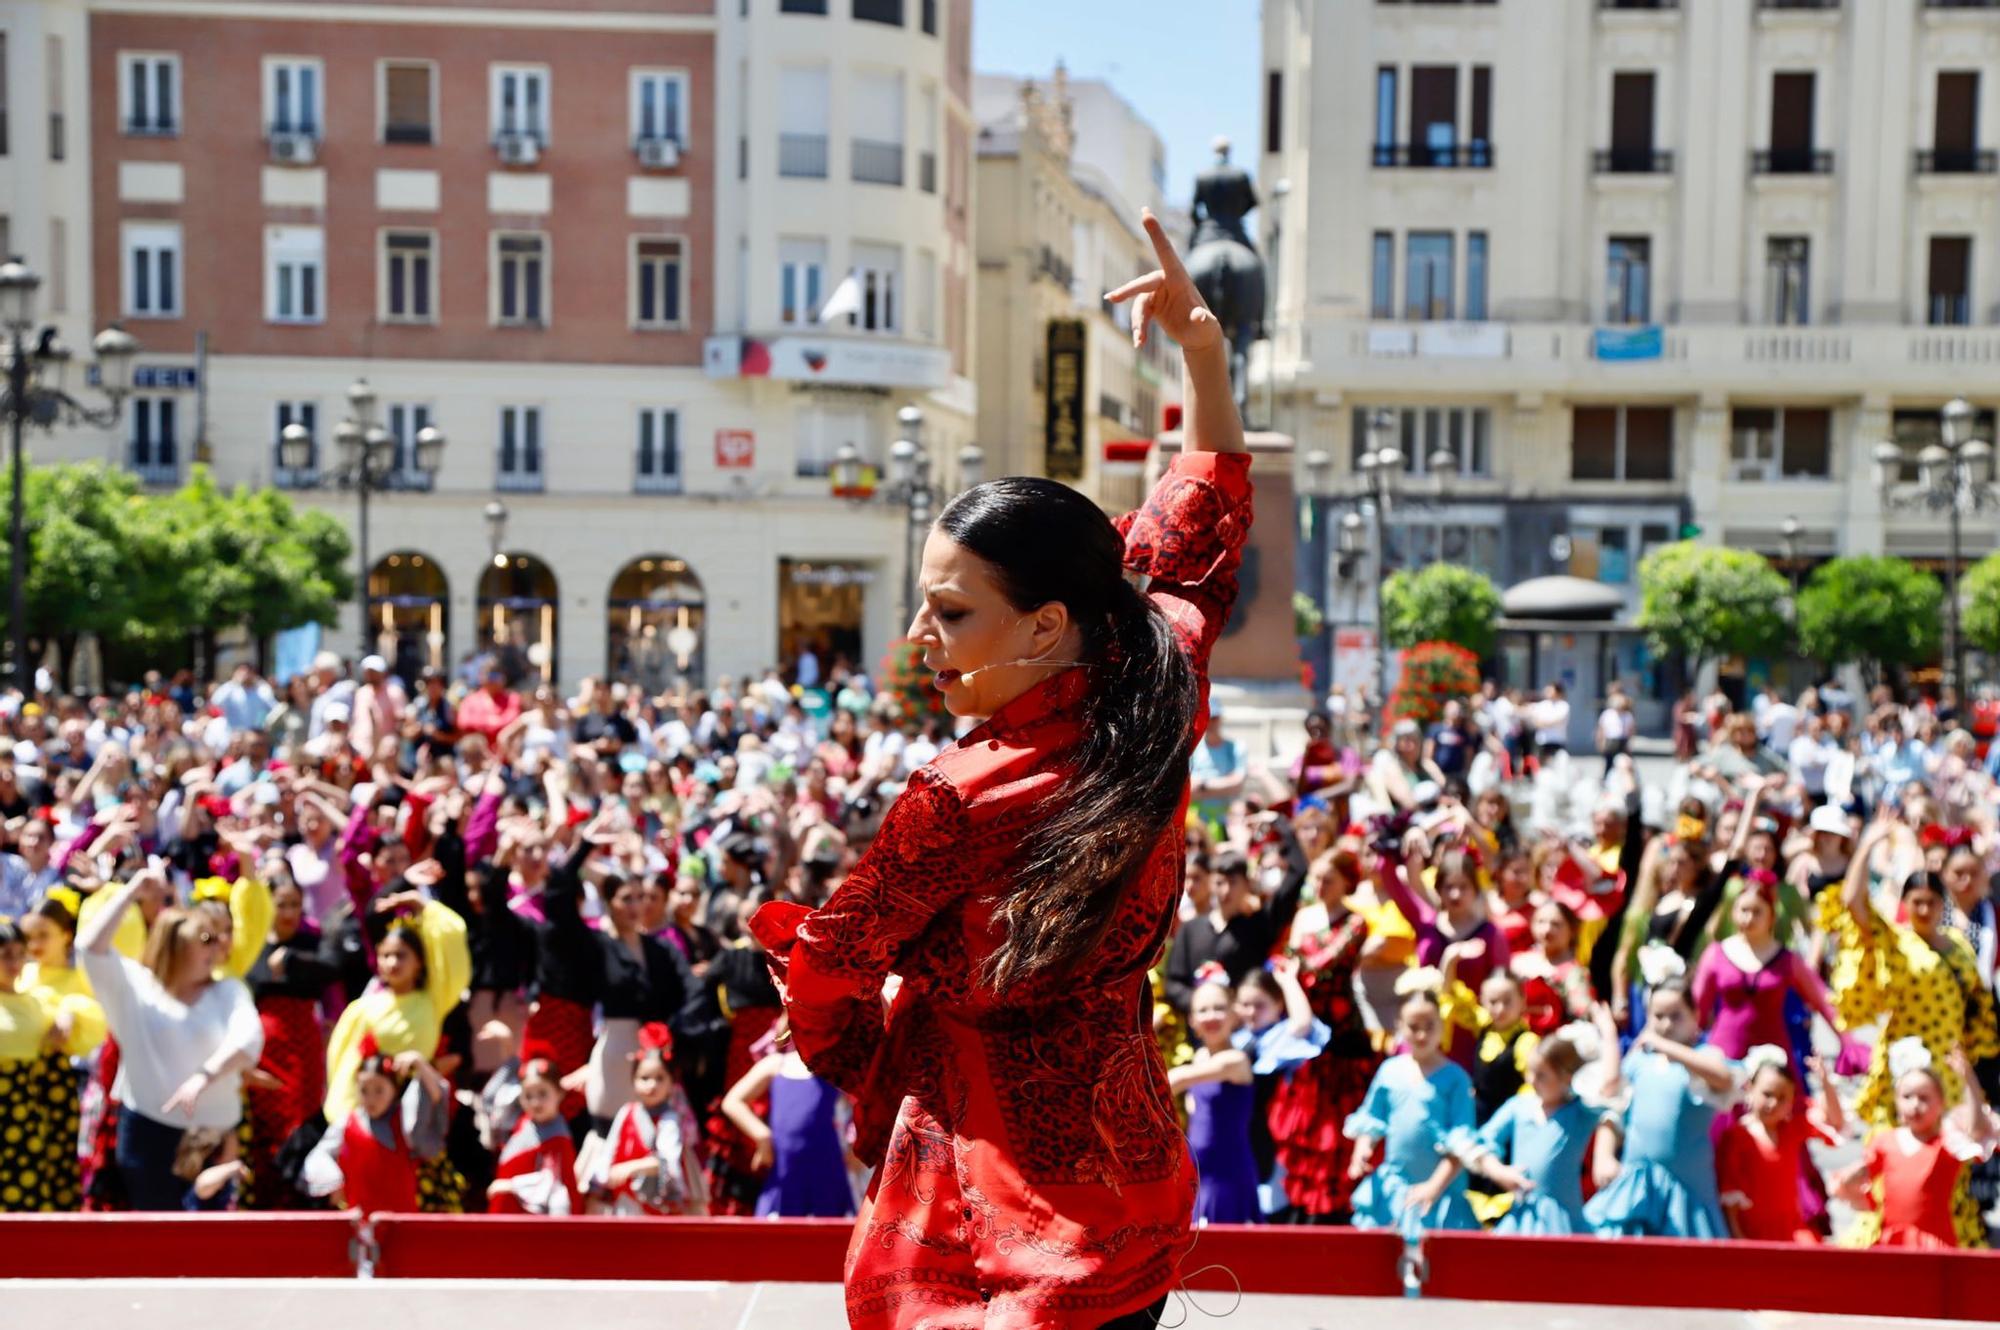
(735, 449)
(1062, 456)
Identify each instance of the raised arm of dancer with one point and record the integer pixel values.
(1167, 296)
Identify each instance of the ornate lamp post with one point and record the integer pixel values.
(1954, 477)
(37, 394)
(911, 486)
(366, 465)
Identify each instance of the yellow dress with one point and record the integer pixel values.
(1933, 994)
(65, 990)
(250, 912)
(413, 1020)
(29, 1148)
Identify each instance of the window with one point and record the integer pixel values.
(657, 273)
(1950, 285)
(926, 296)
(58, 135)
(1385, 114)
(879, 11)
(294, 259)
(58, 265)
(1433, 115)
(1918, 428)
(409, 275)
(406, 420)
(802, 121)
(657, 468)
(1480, 140)
(1786, 270)
(802, 6)
(149, 94)
(930, 17)
(877, 273)
(520, 278)
(3, 95)
(1465, 431)
(927, 136)
(521, 102)
(519, 466)
(659, 106)
(1382, 276)
(292, 97)
(305, 414)
(822, 431)
(1427, 279)
(1631, 121)
(801, 272)
(1955, 123)
(1792, 122)
(1628, 280)
(153, 270)
(1622, 443)
(1274, 111)
(1779, 442)
(1475, 276)
(875, 109)
(409, 114)
(154, 441)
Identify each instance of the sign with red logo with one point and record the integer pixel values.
(735, 449)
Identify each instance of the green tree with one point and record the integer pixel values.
(1979, 598)
(1707, 602)
(1871, 610)
(82, 565)
(1441, 602)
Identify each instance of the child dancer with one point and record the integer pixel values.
(368, 1162)
(1911, 1171)
(1534, 1146)
(1277, 1028)
(537, 1169)
(1665, 1178)
(1221, 1097)
(801, 1144)
(1417, 1100)
(1761, 1157)
(650, 1164)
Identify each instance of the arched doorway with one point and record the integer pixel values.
(655, 631)
(517, 616)
(408, 600)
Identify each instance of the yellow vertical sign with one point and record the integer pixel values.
(1062, 457)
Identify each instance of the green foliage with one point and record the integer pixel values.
(1432, 674)
(1307, 619)
(1706, 602)
(1979, 596)
(1441, 602)
(1871, 610)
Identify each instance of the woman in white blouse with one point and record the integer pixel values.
(185, 1037)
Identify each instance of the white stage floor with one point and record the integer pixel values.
(417, 1304)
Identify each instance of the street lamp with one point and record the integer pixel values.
(1788, 534)
(38, 394)
(496, 531)
(1954, 477)
(367, 465)
(910, 485)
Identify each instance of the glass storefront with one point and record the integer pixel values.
(820, 604)
(654, 630)
(517, 617)
(408, 602)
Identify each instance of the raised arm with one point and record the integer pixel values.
(1167, 295)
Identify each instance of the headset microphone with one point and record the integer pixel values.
(1006, 664)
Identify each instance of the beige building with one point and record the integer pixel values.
(1057, 228)
(1636, 265)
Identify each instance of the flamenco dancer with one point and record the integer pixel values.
(1031, 1170)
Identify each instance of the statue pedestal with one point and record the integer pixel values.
(1255, 667)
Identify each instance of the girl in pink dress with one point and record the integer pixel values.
(1741, 982)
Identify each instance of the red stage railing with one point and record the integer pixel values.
(1632, 1272)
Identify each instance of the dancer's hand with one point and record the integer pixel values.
(1167, 295)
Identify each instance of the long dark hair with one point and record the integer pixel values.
(1047, 543)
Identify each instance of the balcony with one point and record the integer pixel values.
(653, 482)
(1962, 4)
(876, 162)
(406, 132)
(927, 172)
(1798, 4)
(1791, 161)
(1450, 156)
(1638, 4)
(1958, 161)
(518, 482)
(155, 474)
(1633, 161)
(802, 156)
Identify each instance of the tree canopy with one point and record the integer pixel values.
(1440, 602)
(1707, 602)
(1870, 610)
(1979, 597)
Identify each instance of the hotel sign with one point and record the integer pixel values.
(1062, 455)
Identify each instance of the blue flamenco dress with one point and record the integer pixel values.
(1219, 1139)
(1665, 1186)
(1275, 1052)
(1549, 1149)
(1417, 1117)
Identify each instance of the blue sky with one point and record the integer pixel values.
(1189, 66)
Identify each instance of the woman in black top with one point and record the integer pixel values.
(1245, 926)
(641, 979)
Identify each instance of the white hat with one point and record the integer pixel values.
(338, 713)
(1831, 821)
(374, 665)
(327, 660)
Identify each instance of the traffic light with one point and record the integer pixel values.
(1690, 530)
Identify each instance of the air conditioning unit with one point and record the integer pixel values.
(662, 153)
(519, 149)
(294, 149)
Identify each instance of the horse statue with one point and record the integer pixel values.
(1224, 264)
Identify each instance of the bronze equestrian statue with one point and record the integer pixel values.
(1224, 263)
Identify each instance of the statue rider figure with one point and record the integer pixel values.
(1223, 261)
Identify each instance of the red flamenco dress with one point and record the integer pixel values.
(1310, 1107)
(288, 997)
(1030, 1169)
(539, 1160)
(1916, 1181)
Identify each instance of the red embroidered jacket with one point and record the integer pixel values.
(1031, 1170)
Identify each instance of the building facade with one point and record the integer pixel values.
(1641, 267)
(557, 233)
(45, 155)
(1064, 168)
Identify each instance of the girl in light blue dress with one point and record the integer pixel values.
(1416, 1103)
(1535, 1144)
(1665, 1183)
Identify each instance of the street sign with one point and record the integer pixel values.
(735, 449)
